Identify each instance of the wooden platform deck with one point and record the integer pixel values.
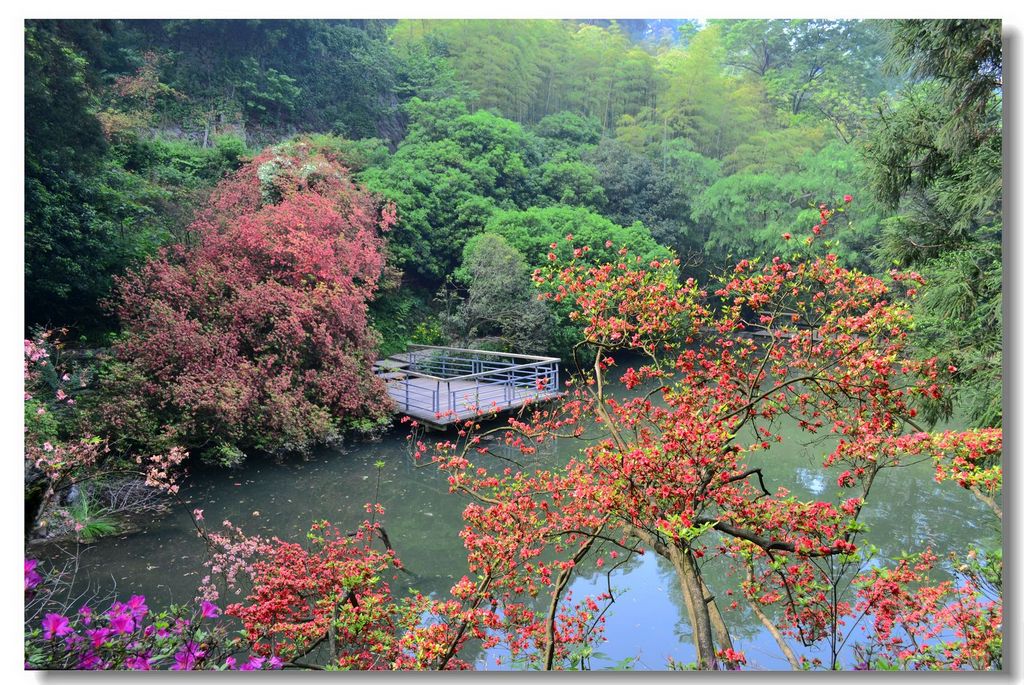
(441, 385)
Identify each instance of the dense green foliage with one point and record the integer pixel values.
(713, 141)
(937, 162)
(446, 178)
(500, 308)
(100, 191)
(267, 74)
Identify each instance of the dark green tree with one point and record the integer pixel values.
(102, 188)
(74, 241)
(936, 155)
(750, 212)
(500, 309)
(657, 193)
(274, 76)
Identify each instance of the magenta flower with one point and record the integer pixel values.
(86, 613)
(98, 635)
(55, 625)
(210, 610)
(137, 663)
(275, 663)
(122, 623)
(32, 577)
(254, 663)
(186, 658)
(137, 606)
(90, 662)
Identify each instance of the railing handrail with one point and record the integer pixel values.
(482, 374)
(486, 352)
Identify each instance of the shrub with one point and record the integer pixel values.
(256, 335)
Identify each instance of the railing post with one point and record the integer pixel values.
(405, 381)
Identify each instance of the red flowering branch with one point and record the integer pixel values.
(807, 342)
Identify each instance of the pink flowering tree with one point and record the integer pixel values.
(254, 334)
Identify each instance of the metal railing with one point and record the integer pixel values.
(451, 380)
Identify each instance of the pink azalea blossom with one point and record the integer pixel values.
(122, 623)
(210, 610)
(186, 658)
(137, 663)
(90, 662)
(98, 636)
(55, 625)
(32, 577)
(137, 606)
(255, 663)
(86, 614)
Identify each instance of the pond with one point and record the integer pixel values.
(647, 623)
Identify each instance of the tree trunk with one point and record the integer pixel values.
(700, 616)
(794, 663)
(722, 637)
(693, 590)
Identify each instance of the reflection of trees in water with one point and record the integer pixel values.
(909, 512)
(720, 576)
(906, 510)
(742, 623)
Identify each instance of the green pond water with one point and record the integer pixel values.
(907, 511)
